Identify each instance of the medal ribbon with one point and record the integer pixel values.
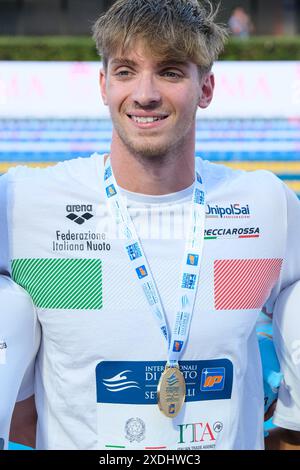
(190, 269)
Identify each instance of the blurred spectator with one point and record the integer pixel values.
(240, 23)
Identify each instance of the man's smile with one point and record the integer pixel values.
(147, 120)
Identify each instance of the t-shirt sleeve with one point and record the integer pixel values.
(27, 386)
(281, 306)
(19, 342)
(286, 334)
(20, 331)
(290, 272)
(21, 307)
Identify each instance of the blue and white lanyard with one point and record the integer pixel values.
(190, 266)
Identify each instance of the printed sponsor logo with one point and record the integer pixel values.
(141, 272)
(177, 346)
(111, 191)
(201, 432)
(79, 213)
(232, 233)
(135, 382)
(229, 212)
(188, 281)
(81, 241)
(134, 251)
(212, 380)
(120, 382)
(3, 345)
(107, 173)
(218, 427)
(135, 430)
(192, 260)
(199, 197)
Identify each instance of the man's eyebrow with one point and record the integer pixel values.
(170, 63)
(119, 61)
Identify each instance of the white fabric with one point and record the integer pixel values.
(286, 334)
(19, 340)
(115, 340)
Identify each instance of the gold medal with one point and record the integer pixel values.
(171, 391)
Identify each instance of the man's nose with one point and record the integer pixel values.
(146, 92)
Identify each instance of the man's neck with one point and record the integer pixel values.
(154, 177)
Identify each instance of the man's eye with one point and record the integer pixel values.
(171, 74)
(122, 73)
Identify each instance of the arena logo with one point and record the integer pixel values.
(79, 213)
(230, 212)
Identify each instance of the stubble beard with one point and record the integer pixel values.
(150, 155)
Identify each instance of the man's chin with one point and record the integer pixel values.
(151, 154)
(148, 151)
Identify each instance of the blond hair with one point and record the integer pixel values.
(179, 30)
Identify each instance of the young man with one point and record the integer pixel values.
(19, 342)
(148, 269)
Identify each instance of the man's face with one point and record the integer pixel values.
(153, 104)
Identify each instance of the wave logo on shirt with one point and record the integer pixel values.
(120, 382)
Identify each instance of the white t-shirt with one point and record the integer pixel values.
(286, 333)
(102, 352)
(19, 341)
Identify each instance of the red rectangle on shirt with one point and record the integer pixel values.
(244, 284)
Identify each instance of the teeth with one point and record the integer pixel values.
(145, 119)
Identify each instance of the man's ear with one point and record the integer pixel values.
(102, 82)
(208, 85)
